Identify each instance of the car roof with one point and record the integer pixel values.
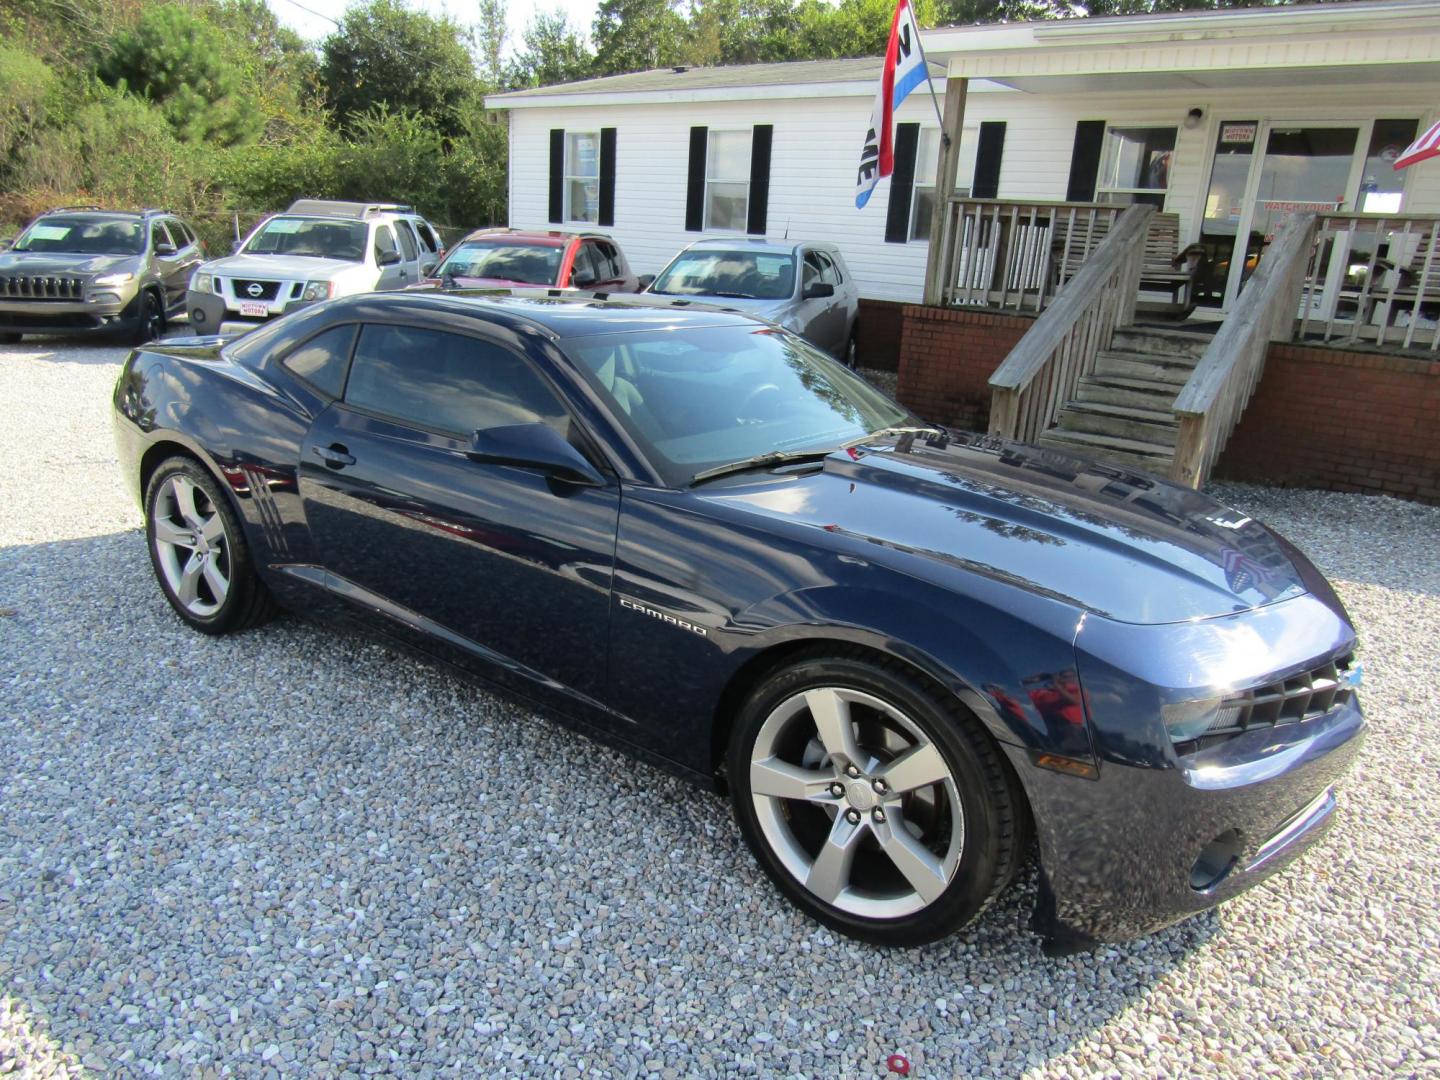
(354, 210)
(562, 313)
(759, 243)
(537, 237)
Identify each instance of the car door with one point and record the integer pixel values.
(168, 263)
(811, 311)
(409, 250)
(500, 567)
(385, 252)
(832, 316)
(187, 256)
(430, 250)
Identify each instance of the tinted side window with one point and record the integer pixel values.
(407, 239)
(607, 259)
(584, 269)
(447, 382)
(159, 235)
(322, 360)
(384, 241)
(179, 233)
(812, 268)
(428, 239)
(828, 274)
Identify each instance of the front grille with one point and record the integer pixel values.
(41, 287)
(266, 289)
(1303, 697)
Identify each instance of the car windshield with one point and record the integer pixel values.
(697, 400)
(79, 235)
(321, 238)
(503, 261)
(742, 275)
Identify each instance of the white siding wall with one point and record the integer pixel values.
(815, 153)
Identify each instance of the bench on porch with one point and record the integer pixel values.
(1166, 267)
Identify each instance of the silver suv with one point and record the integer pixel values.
(314, 250)
(80, 269)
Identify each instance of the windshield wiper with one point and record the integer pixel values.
(762, 461)
(885, 433)
(736, 295)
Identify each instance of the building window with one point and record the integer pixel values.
(582, 176)
(727, 180)
(1381, 187)
(1135, 167)
(927, 164)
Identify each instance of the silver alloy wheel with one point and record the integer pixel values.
(857, 802)
(191, 547)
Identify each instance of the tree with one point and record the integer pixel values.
(184, 64)
(633, 35)
(555, 52)
(386, 55)
(489, 35)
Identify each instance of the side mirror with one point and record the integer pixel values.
(388, 258)
(646, 280)
(236, 246)
(164, 249)
(533, 446)
(818, 291)
(583, 281)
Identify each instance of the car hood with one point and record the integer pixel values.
(1124, 545)
(54, 262)
(291, 267)
(772, 310)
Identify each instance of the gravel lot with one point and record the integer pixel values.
(292, 852)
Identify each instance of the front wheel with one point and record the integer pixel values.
(876, 803)
(199, 553)
(852, 350)
(152, 320)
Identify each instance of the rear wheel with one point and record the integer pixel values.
(877, 804)
(199, 553)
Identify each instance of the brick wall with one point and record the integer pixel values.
(1343, 421)
(878, 341)
(947, 356)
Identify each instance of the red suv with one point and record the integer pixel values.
(501, 258)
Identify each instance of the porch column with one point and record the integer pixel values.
(935, 262)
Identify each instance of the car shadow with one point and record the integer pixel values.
(79, 348)
(296, 814)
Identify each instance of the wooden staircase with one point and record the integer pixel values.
(1122, 411)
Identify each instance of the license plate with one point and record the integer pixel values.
(253, 309)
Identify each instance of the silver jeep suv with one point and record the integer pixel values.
(314, 250)
(80, 269)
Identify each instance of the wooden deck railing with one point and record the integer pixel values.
(1017, 255)
(1373, 279)
(1041, 372)
(1210, 404)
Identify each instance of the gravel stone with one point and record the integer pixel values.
(295, 852)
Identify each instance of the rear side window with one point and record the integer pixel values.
(447, 382)
(407, 239)
(322, 360)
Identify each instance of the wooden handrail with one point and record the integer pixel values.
(1210, 404)
(1070, 333)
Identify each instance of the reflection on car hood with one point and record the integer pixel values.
(55, 262)
(773, 310)
(1117, 543)
(292, 267)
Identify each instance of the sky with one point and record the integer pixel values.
(314, 19)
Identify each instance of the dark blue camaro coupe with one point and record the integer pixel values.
(903, 651)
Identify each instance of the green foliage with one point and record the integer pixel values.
(180, 61)
(386, 55)
(28, 92)
(633, 35)
(554, 52)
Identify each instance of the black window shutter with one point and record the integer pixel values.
(988, 153)
(557, 174)
(759, 205)
(695, 192)
(1085, 160)
(607, 176)
(902, 184)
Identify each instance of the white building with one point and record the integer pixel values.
(1226, 119)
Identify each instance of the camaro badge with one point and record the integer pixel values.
(625, 602)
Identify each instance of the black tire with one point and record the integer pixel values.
(851, 359)
(994, 819)
(247, 602)
(151, 324)
(10, 339)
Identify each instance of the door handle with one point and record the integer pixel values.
(334, 455)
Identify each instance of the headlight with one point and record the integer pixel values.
(1188, 720)
(111, 280)
(203, 283)
(318, 290)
